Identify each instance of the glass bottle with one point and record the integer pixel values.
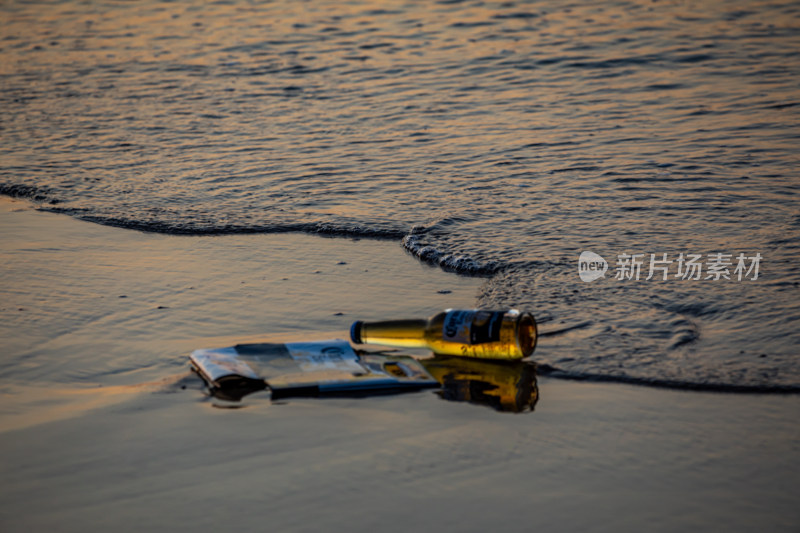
(477, 333)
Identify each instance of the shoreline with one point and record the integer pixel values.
(385, 243)
(718, 388)
(104, 426)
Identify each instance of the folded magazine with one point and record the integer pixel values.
(306, 369)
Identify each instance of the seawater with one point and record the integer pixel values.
(492, 138)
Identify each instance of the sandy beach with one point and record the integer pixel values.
(187, 175)
(104, 427)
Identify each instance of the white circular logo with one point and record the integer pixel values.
(591, 266)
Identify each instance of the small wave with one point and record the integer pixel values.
(461, 264)
(521, 15)
(686, 332)
(189, 228)
(48, 203)
(18, 190)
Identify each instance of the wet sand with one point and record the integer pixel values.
(103, 426)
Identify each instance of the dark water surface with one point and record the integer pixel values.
(498, 138)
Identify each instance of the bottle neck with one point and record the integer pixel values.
(407, 333)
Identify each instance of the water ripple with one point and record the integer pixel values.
(493, 138)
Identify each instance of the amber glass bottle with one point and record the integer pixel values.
(477, 333)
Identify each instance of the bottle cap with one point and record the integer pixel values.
(355, 331)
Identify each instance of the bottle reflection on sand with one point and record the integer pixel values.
(502, 385)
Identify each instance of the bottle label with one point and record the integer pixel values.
(472, 327)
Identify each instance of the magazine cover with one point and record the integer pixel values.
(306, 369)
